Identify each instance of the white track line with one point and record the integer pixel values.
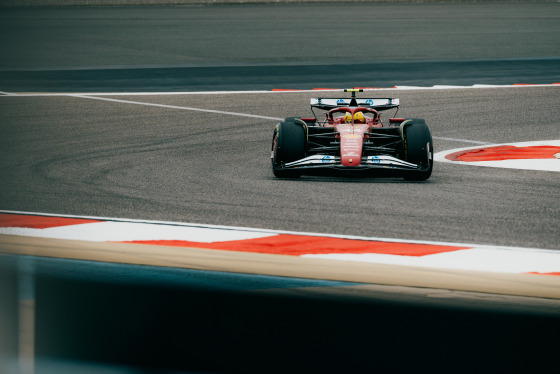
(96, 96)
(396, 88)
(177, 107)
(227, 113)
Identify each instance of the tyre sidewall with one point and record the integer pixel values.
(291, 139)
(418, 147)
(288, 144)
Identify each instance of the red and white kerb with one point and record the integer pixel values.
(540, 155)
(333, 247)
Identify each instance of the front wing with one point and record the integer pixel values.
(328, 162)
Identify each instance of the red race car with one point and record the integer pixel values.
(352, 139)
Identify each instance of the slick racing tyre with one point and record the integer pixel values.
(288, 144)
(418, 148)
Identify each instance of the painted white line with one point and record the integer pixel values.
(97, 96)
(552, 164)
(224, 112)
(475, 86)
(176, 107)
(396, 88)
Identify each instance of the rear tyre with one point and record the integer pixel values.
(288, 144)
(418, 148)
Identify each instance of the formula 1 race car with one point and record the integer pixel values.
(354, 140)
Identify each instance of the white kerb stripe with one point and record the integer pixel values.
(177, 107)
(128, 231)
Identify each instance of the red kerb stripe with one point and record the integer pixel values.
(506, 152)
(39, 222)
(297, 245)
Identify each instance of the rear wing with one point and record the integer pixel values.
(377, 104)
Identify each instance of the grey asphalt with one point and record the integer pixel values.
(229, 47)
(84, 156)
(80, 156)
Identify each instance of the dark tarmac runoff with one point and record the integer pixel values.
(73, 316)
(272, 76)
(280, 46)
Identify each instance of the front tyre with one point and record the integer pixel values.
(288, 144)
(418, 148)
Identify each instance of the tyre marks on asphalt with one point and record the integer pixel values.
(100, 96)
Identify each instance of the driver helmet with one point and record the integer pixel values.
(359, 116)
(348, 118)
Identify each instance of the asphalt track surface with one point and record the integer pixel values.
(118, 156)
(185, 159)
